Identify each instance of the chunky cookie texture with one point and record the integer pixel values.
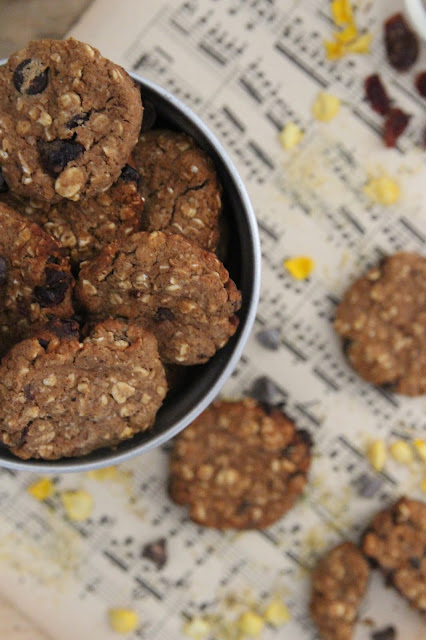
(396, 542)
(69, 119)
(169, 285)
(338, 586)
(180, 187)
(60, 397)
(35, 278)
(382, 319)
(83, 228)
(239, 465)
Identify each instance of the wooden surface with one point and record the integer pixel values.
(24, 20)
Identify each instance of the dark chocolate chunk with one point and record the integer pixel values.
(129, 174)
(388, 633)
(269, 338)
(55, 289)
(265, 391)
(164, 314)
(55, 155)
(402, 45)
(156, 552)
(43, 343)
(149, 115)
(77, 120)
(3, 184)
(31, 77)
(3, 270)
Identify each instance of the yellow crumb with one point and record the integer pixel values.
(276, 613)
(347, 35)
(401, 452)
(107, 473)
(376, 454)
(423, 485)
(325, 107)
(41, 489)
(334, 50)
(362, 44)
(299, 267)
(290, 136)
(342, 13)
(123, 620)
(251, 624)
(382, 190)
(420, 447)
(78, 504)
(197, 628)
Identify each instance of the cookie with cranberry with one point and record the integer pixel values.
(171, 286)
(180, 187)
(60, 397)
(35, 278)
(339, 582)
(382, 320)
(69, 120)
(239, 465)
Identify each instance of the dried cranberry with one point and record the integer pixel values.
(55, 289)
(376, 94)
(421, 83)
(395, 124)
(164, 314)
(402, 46)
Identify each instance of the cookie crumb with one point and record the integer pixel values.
(107, 473)
(325, 107)
(251, 624)
(382, 190)
(401, 452)
(78, 504)
(41, 489)
(276, 613)
(123, 620)
(420, 447)
(197, 628)
(299, 267)
(290, 136)
(376, 454)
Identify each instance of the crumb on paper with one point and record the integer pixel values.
(276, 613)
(342, 13)
(401, 452)
(420, 447)
(348, 40)
(376, 454)
(250, 624)
(325, 107)
(107, 473)
(299, 267)
(382, 190)
(41, 489)
(290, 136)
(78, 504)
(197, 628)
(123, 620)
(423, 484)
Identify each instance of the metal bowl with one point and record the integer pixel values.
(202, 382)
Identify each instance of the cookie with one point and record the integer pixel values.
(396, 542)
(180, 187)
(60, 397)
(69, 119)
(239, 465)
(171, 286)
(382, 319)
(35, 278)
(83, 228)
(339, 582)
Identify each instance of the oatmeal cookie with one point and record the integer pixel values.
(180, 187)
(69, 119)
(239, 465)
(171, 286)
(35, 278)
(382, 319)
(339, 583)
(60, 397)
(83, 228)
(396, 542)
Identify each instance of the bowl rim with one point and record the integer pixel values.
(66, 465)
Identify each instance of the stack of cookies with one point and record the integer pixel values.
(107, 267)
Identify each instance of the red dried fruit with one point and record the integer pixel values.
(421, 83)
(395, 124)
(402, 45)
(376, 94)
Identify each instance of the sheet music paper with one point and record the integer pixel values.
(247, 68)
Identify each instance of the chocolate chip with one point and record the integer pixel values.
(269, 338)
(156, 552)
(63, 328)
(3, 184)
(388, 633)
(31, 77)
(415, 563)
(164, 314)
(43, 343)
(55, 289)
(265, 391)
(77, 120)
(149, 115)
(3, 270)
(243, 506)
(129, 174)
(305, 437)
(55, 155)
